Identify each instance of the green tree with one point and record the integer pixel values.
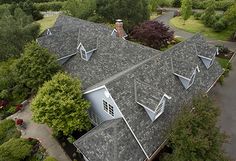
(209, 15)
(60, 105)
(15, 150)
(36, 66)
(230, 14)
(80, 8)
(130, 11)
(16, 31)
(186, 9)
(195, 135)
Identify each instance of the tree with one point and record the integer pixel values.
(230, 14)
(153, 34)
(60, 105)
(16, 31)
(209, 15)
(36, 66)
(131, 12)
(186, 9)
(15, 150)
(195, 135)
(80, 8)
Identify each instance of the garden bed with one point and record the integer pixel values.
(69, 148)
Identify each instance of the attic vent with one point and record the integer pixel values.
(185, 71)
(152, 100)
(87, 47)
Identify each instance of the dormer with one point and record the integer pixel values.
(185, 71)
(152, 100)
(207, 55)
(49, 32)
(119, 30)
(87, 47)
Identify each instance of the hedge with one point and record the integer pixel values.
(49, 6)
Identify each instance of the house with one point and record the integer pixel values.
(135, 91)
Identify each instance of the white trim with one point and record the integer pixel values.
(129, 126)
(95, 89)
(204, 57)
(67, 56)
(192, 79)
(114, 30)
(214, 83)
(181, 76)
(49, 32)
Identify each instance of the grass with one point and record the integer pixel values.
(195, 26)
(47, 22)
(223, 62)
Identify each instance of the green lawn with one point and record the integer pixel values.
(47, 22)
(195, 26)
(153, 16)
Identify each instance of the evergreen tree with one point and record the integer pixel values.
(186, 9)
(131, 12)
(195, 135)
(60, 105)
(209, 15)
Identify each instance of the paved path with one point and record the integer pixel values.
(165, 18)
(42, 133)
(225, 97)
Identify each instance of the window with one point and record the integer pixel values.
(111, 110)
(108, 108)
(105, 106)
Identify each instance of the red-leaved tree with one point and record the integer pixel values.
(153, 34)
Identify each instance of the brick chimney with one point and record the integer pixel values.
(119, 28)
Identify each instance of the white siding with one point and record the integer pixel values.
(96, 98)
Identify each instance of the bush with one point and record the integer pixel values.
(50, 159)
(176, 3)
(208, 21)
(49, 6)
(220, 25)
(153, 34)
(197, 15)
(15, 150)
(221, 80)
(8, 130)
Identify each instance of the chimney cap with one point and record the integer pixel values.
(119, 20)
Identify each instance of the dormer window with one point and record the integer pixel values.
(49, 32)
(152, 100)
(185, 71)
(208, 56)
(87, 48)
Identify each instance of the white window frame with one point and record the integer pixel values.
(192, 79)
(160, 108)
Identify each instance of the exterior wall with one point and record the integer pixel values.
(97, 110)
(206, 62)
(150, 114)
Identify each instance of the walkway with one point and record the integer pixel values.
(43, 134)
(225, 98)
(165, 18)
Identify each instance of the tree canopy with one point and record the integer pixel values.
(36, 66)
(186, 9)
(195, 135)
(153, 34)
(16, 31)
(230, 14)
(15, 150)
(80, 8)
(60, 105)
(209, 15)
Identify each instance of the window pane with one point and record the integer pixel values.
(105, 106)
(111, 110)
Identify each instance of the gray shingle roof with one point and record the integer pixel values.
(147, 95)
(158, 73)
(110, 141)
(183, 68)
(117, 64)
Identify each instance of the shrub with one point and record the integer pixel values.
(8, 130)
(50, 159)
(221, 80)
(220, 25)
(15, 150)
(197, 15)
(176, 3)
(153, 34)
(49, 6)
